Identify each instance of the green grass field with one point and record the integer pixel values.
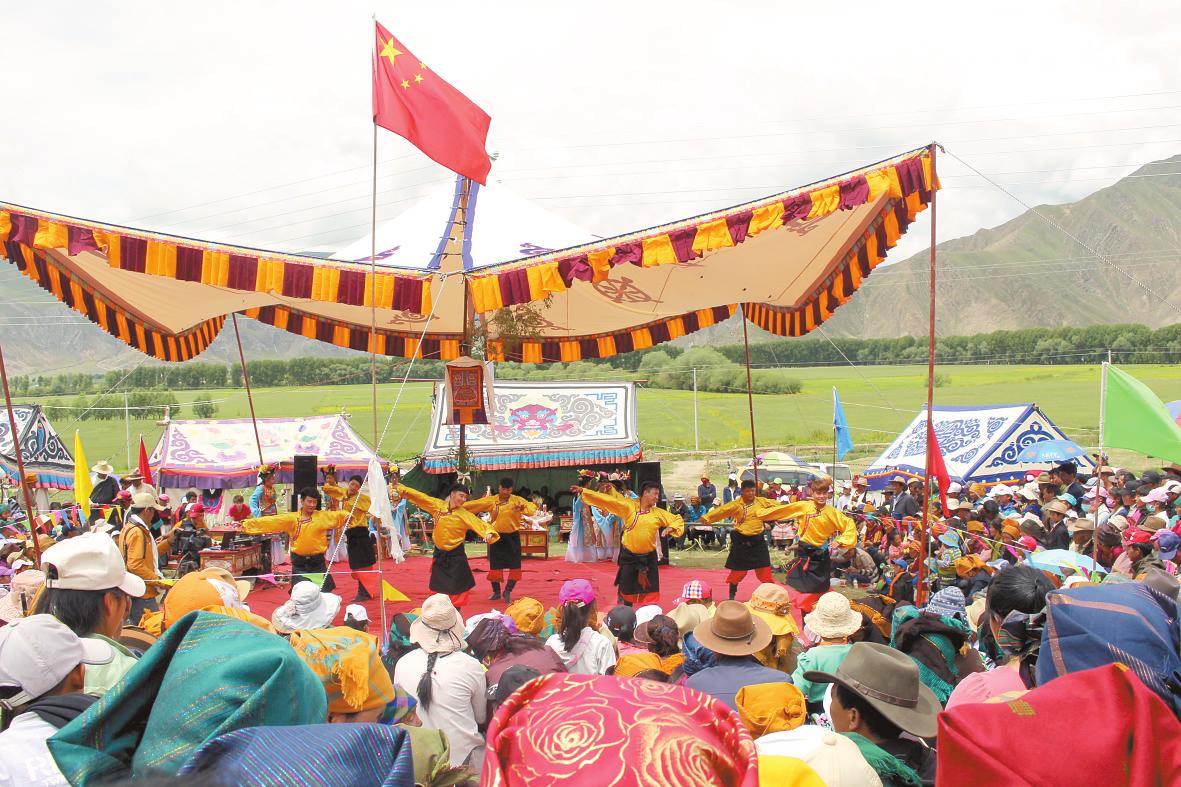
(878, 402)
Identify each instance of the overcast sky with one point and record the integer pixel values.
(250, 122)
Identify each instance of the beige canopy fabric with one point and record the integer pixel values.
(789, 260)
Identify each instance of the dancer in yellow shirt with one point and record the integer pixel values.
(450, 572)
(362, 555)
(507, 511)
(308, 529)
(748, 544)
(638, 577)
(810, 573)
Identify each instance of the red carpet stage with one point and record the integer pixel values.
(540, 580)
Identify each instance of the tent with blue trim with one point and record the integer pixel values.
(43, 452)
(980, 444)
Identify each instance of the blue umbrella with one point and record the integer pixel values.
(1051, 451)
(1056, 560)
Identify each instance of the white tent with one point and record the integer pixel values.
(979, 444)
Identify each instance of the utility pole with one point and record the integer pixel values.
(696, 437)
(127, 427)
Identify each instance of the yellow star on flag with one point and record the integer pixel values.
(422, 65)
(405, 83)
(417, 78)
(390, 51)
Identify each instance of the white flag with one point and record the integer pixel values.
(380, 508)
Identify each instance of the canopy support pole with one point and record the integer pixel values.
(373, 292)
(20, 459)
(750, 401)
(246, 382)
(924, 529)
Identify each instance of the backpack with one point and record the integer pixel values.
(1129, 623)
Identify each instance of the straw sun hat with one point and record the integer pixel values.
(833, 617)
(440, 627)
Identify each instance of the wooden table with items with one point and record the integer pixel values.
(237, 561)
(535, 543)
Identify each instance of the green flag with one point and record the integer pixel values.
(1135, 418)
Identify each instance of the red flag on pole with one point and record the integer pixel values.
(937, 468)
(144, 469)
(416, 103)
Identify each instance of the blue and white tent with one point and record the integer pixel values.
(979, 443)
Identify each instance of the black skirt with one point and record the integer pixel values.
(360, 546)
(450, 572)
(311, 564)
(632, 567)
(811, 571)
(505, 552)
(747, 553)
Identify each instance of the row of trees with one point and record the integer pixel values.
(719, 369)
(142, 405)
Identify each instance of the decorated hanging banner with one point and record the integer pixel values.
(467, 383)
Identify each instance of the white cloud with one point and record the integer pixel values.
(617, 115)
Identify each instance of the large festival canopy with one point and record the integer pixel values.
(788, 260)
(42, 451)
(541, 425)
(224, 455)
(979, 444)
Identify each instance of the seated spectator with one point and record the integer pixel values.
(88, 588)
(500, 651)
(662, 639)
(307, 608)
(448, 684)
(42, 677)
(580, 647)
(216, 673)
(734, 635)
(239, 511)
(876, 697)
(347, 662)
(356, 617)
(211, 590)
(811, 755)
(528, 614)
(834, 621)
(772, 603)
(770, 707)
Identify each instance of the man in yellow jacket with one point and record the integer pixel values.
(362, 555)
(308, 530)
(748, 545)
(638, 577)
(507, 511)
(141, 552)
(450, 572)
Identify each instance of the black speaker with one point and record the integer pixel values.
(304, 471)
(644, 471)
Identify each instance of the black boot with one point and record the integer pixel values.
(362, 593)
(733, 592)
(495, 592)
(508, 591)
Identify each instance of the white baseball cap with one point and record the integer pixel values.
(90, 561)
(1002, 489)
(356, 612)
(954, 488)
(146, 500)
(38, 652)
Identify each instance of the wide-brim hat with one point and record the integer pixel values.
(772, 603)
(305, 610)
(439, 629)
(888, 680)
(1059, 506)
(103, 468)
(833, 617)
(733, 631)
(25, 585)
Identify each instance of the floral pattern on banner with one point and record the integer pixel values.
(601, 731)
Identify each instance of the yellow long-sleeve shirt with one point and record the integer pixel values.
(307, 537)
(451, 526)
(641, 529)
(748, 517)
(506, 517)
(817, 525)
(360, 512)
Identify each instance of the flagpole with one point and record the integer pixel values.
(835, 433)
(924, 531)
(373, 291)
(20, 460)
(750, 401)
(1099, 475)
(246, 382)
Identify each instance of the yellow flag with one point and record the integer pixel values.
(391, 593)
(82, 485)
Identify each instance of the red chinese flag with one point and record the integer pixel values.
(416, 103)
(937, 468)
(144, 468)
